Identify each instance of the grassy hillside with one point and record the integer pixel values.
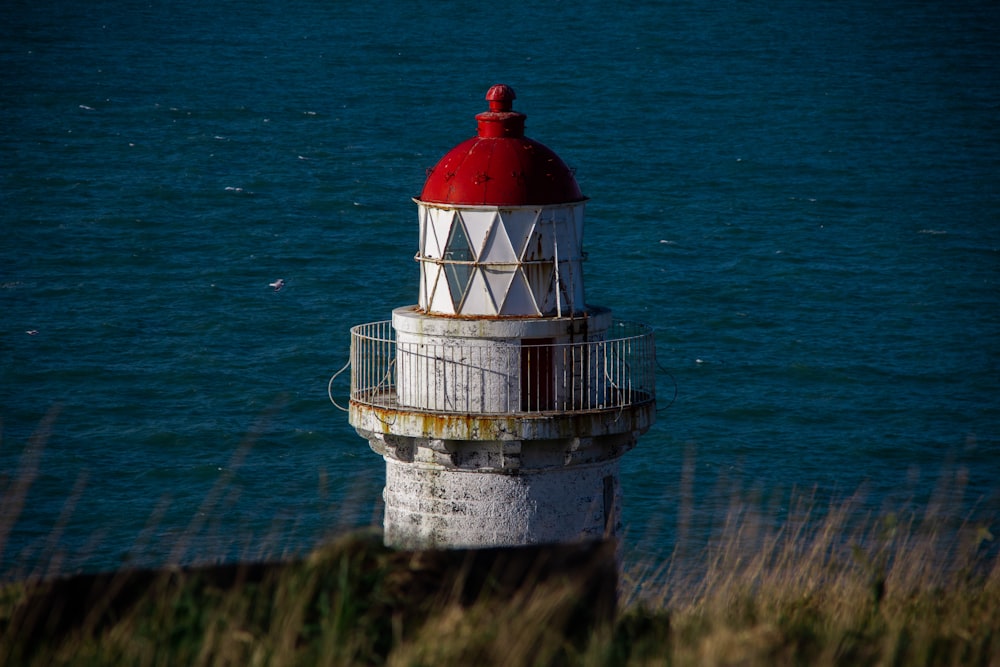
(822, 586)
(830, 592)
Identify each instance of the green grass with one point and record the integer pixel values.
(351, 602)
(835, 591)
(824, 586)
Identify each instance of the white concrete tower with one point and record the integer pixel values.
(501, 402)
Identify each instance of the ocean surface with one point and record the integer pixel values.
(802, 198)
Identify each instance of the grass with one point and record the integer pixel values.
(836, 590)
(828, 592)
(825, 586)
(351, 602)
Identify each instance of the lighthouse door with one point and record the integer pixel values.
(537, 375)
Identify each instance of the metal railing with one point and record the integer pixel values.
(502, 376)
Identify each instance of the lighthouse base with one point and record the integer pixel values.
(429, 505)
(460, 481)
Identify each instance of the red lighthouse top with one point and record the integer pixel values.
(500, 166)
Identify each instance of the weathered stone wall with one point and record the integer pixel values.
(430, 505)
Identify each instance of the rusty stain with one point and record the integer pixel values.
(523, 426)
(472, 318)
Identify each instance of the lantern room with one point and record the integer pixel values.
(501, 225)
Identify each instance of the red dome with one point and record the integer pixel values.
(500, 166)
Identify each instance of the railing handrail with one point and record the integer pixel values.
(389, 334)
(613, 373)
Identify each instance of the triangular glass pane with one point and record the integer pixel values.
(519, 300)
(460, 272)
(440, 298)
(440, 224)
(499, 283)
(458, 279)
(478, 300)
(477, 225)
(498, 249)
(458, 249)
(518, 225)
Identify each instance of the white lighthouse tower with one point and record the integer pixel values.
(501, 402)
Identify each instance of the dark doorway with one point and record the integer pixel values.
(537, 375)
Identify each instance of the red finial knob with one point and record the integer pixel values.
(501, 97)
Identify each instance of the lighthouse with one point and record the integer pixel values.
(501, 402)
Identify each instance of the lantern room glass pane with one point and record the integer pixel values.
(458, 250)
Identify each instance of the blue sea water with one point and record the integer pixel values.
(803, 199)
